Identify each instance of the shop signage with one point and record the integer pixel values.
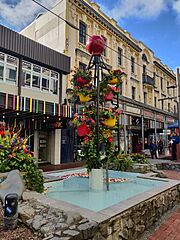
(133, 110)
(148, 114)
(159, 117)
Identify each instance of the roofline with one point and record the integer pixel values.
(19, 45)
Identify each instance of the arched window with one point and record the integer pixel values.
(144, 58)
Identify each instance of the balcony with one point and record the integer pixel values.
(148, 80)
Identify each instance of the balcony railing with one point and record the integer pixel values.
(148, 80)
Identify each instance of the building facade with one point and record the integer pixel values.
(32, 78)
(147, 79)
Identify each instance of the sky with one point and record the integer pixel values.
(154, 22)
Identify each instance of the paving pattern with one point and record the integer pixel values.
(170, 228)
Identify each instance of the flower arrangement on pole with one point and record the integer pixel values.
(113, 77)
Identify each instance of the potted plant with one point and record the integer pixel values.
(110, 92)
(15, 153)
(81, 77)
(114, 77)
(108, 116)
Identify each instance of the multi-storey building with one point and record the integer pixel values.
(31, 82)
(147, 78)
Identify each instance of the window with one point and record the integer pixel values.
(8, 68)
(27, 78)
(162, 105)
(155, 101)
(2, 56)
(82, 66)
(145, 97)
(119, 56)
(54, 82)
(169, 107)
(45, 78)
(82, 33)
(105, 49)
(133, 93)
(45, 83)
(168, 88)
(36, 81)
(132, 64)
(121, 88)
(11, 73)
(1, 72)
(39, 77)
(161, 84)
(54, 86)
(26, 66)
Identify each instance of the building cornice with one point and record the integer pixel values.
(162, 68)
(146, 106)
(109, 25)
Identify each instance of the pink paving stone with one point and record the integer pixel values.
(172, 174)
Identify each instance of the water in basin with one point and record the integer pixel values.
(75, 190)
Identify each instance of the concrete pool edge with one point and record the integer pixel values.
(125, 220)
(115, 209)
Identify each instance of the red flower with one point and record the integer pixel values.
(110, 139)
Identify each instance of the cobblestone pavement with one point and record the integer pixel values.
(170, 228)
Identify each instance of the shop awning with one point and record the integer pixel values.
(173, 125)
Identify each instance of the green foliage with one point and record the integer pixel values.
(16, 154)
(90, 157)
(85, 74)
(125, 162)
(138, 158)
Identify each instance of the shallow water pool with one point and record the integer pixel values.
(75, 190)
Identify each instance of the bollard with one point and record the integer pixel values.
(11, 211)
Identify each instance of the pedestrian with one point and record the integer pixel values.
(173, 149)
(153, 149)
(160, 146)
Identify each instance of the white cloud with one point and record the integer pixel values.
(176, 6)
(21, 13)
(138, 8)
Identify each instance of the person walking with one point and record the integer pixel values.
(160, 146)
(153, 149)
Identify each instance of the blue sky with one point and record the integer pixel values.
(154, 22)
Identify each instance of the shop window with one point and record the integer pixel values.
(11, 74)
(119, 56)
(82, 33)
(1, 72)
